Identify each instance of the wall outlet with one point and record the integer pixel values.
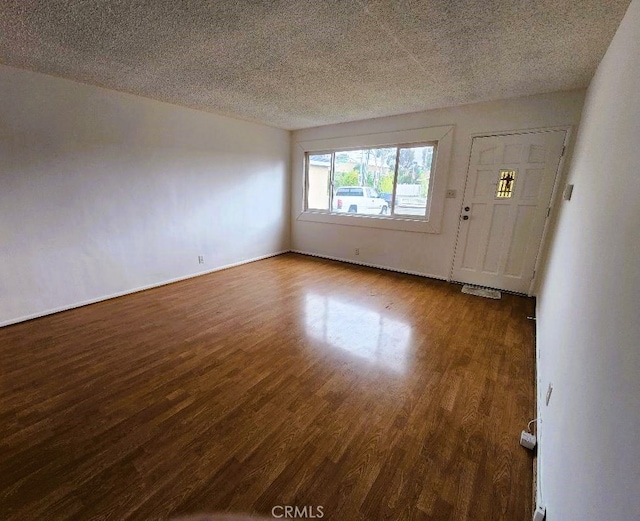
(528, 440)
(539, 514)
(200, 259)
(451, 194)
(357, 251)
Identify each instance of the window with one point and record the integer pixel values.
(394, 180)
(319, 178)
(387, 181)
(506, 184)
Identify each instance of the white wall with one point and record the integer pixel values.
(423, 253)
(589, 307)
(103, 192)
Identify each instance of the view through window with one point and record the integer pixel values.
(387, 181)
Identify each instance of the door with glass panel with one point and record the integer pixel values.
(506, 203)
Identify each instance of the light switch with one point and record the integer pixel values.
(568, 190)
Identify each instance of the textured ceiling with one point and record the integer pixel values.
(302, 63)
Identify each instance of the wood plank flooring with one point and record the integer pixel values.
(288, 381)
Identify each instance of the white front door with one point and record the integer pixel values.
(506, 202)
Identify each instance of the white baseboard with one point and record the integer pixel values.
(370, 265)
(135, 290)
(193, 275)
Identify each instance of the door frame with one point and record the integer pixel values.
(553, 202)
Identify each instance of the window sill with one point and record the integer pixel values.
(369, 221)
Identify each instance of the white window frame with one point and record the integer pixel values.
(441, 136)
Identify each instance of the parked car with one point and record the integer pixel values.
(359, 199)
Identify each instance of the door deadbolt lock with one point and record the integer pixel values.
(466, 208)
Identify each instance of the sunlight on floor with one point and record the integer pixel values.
(360, 331)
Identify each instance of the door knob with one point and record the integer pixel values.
(465, 217)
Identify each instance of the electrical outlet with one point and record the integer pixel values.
(357, 251)
(549, 391)
(539, 514)
(528, 440)
(200, 259)
(451, 194)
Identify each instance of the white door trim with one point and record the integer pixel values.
(559, 177)
(553, 204)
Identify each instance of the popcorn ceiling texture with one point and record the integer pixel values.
(303, 63)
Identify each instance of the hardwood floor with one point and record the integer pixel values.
(289, 381)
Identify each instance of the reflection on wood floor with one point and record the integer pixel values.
(288, 381)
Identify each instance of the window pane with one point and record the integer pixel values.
(506, 183)
(319, 172)
(359, 170)
(414, 180)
